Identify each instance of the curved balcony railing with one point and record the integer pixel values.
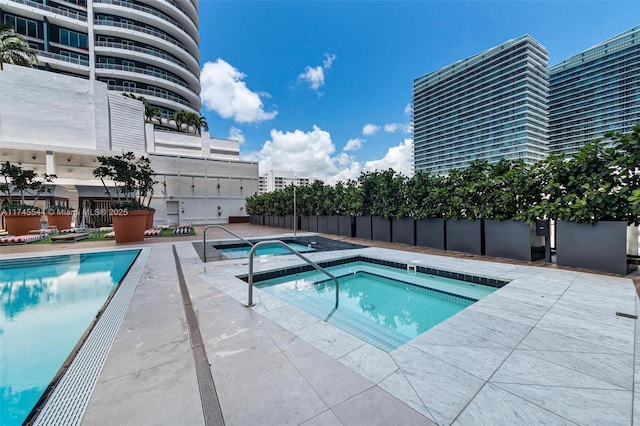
(147, 52)
(147, 92)
(59, 57)
(145, 71)
(69, 14)
(146, 10)
(148, 31)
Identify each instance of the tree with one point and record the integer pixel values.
(150, 112)
(14, 49)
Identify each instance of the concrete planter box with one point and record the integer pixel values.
(332, 225)
(313, 224)
(347, 226)
(465, 235)
(363, 227)
(431, 233)
(323, 226)
(380, 229)
(403, 230)
(512, 239)
(601, 246)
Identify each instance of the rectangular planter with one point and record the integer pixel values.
(313, 223)
(465, 235)
(323, 224)
(512, 239)
(332, 225)
(431, 233)
(304, 223)
(403, 230)
(380, 229)
(347, 226)
(363, 227)
(601, 246)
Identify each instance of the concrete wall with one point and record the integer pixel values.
(200, 185)
(52, 109)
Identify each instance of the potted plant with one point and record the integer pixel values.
(20, 217)
(427, 195)
(591, 196)
(465, 192)
(509, 220)
(133, 187)
(59, 216)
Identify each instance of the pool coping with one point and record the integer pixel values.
(69, 398)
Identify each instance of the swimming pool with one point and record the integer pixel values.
(240, 252)
(380, 304)
(48, 303)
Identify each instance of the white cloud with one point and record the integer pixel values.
(236, 135)
(225, 92)
(353, 144)
(398, 158)
(315, 75)
(408, 109)
(370, 129)
(394, 127)
(305, 153)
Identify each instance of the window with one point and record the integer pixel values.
(73, 39)
(128, 65)
(128, 85)
(22, 26)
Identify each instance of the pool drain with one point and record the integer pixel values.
(368, 307)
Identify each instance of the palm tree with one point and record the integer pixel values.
(180, 117)
(150, 112)
(14, 49)
(200, 123)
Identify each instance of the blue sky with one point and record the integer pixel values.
(323, 88)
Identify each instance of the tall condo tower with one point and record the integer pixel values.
(146, 47)
(595, 91)
(490, 106)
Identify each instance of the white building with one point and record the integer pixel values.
(59, 124)
(278, 179)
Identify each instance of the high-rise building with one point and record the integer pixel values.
(595, 91)
(490, 106)
(146, 47)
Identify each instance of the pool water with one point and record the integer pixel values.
(381, 305)
(241, 252)
(47, 304)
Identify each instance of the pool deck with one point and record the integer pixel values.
(548, 348)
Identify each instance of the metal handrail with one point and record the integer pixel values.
(278, 242)
(204, 237)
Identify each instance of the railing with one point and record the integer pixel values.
(280, 243)
(144, 9)
(69, 14)
(59, 57)
(144, 71)
(147, 92)
(144, 30)
(145, 51)
(204, 237)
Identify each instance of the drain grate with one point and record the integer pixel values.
(70, 398)
(622, 314)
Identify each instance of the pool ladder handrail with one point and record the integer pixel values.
(310, 262)
(204, 237)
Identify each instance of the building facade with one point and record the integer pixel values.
(60, 124)
(595, 91)
(490, 106)
(279, 179)
(146, 47)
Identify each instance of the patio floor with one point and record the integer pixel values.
(548, 348)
